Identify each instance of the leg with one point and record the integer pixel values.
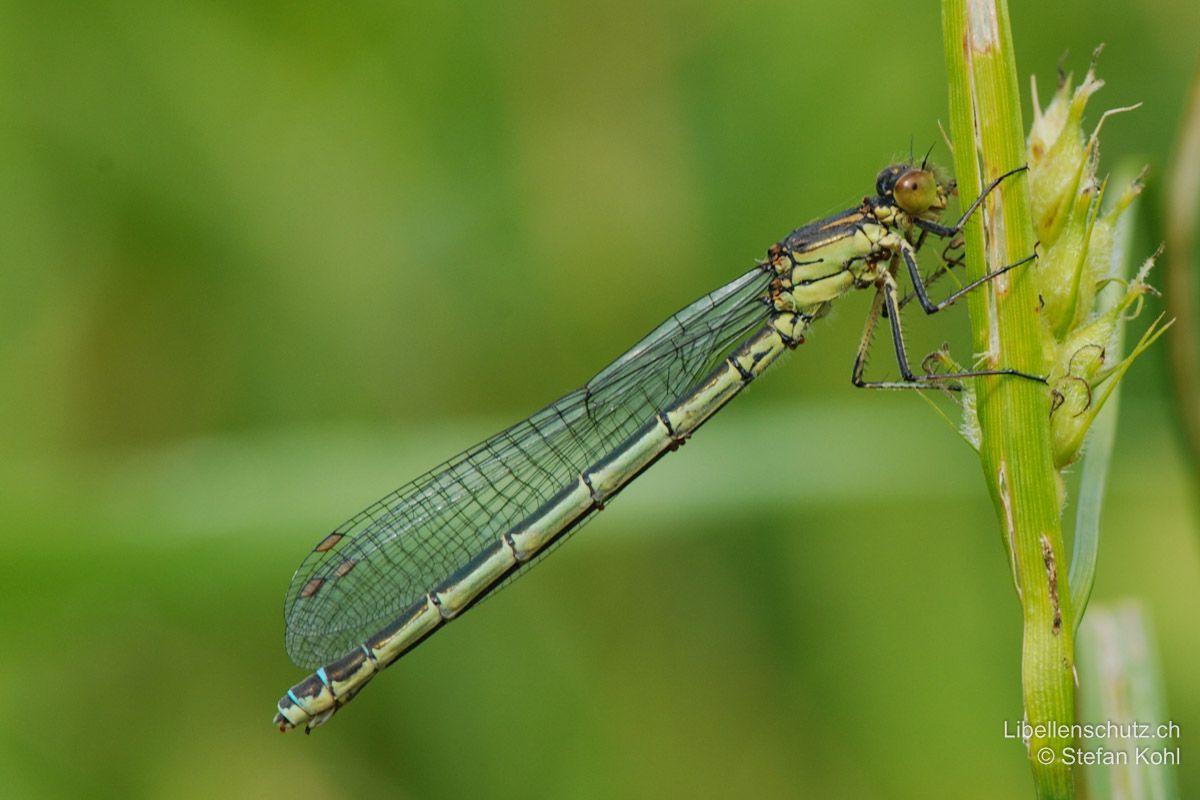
(885, 299)
(864, 344)
(950, 260)
(908, 253)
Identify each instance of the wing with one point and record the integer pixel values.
(388, 556)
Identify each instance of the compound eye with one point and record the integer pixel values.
(886, 180)
(915, 191)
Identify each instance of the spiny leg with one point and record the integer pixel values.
(864, 343)
(952, 257)
(885, 300)
(909, 256)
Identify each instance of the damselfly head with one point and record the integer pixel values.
(915, 190)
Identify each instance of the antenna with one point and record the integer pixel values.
(925, 160)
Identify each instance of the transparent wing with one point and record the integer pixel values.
(391, 554)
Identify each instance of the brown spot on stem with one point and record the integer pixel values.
(1052, 581)
(984, 27)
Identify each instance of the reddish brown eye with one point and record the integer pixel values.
(915, 192)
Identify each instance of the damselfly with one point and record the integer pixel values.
(394, 574)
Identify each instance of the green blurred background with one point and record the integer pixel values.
(263, 262)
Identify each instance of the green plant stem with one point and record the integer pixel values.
(1015, 451)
